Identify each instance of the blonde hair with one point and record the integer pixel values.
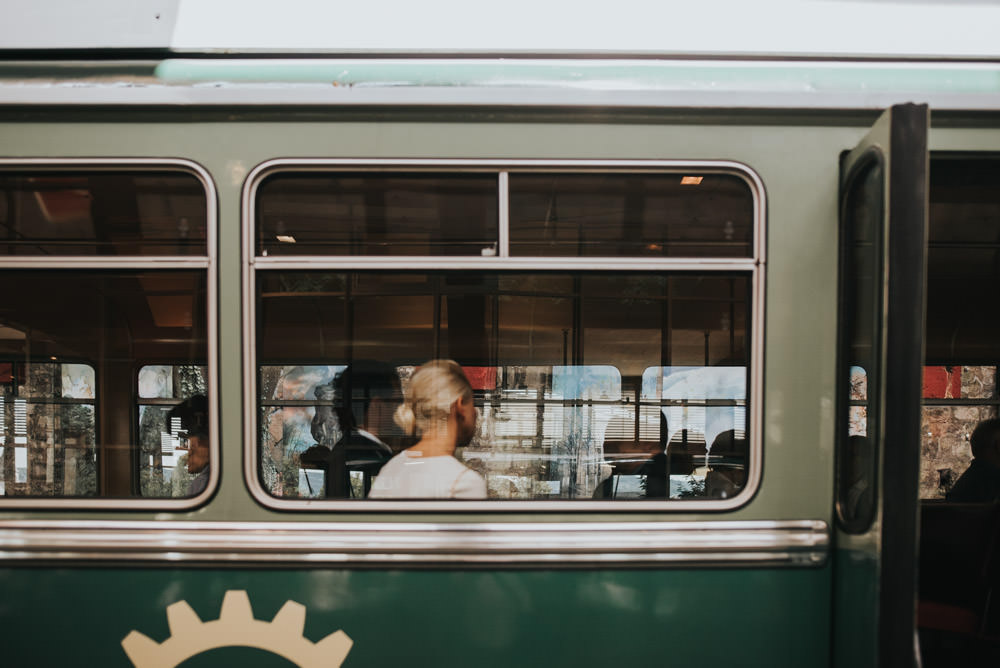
(433, 389)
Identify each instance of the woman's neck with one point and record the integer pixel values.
(434, 444)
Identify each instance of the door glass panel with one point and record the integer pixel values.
(861, 290)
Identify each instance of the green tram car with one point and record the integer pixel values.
(730, 324)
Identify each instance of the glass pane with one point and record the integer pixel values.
(632, 215)
(166, 464)
(963, 261)
(70, 345)
(946, 450)
(102, 213)
(47, 444)
(572, 375)
(861, 295)
(377, 213)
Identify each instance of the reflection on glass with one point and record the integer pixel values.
(566, 370)
(70, 406)
(48, 432)
(377, 213)
(630, 215)
(103, 213)
(945, 449)
(703, 422)
(285, 426)
(163, 466)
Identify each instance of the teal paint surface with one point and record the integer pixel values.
(605, 75)
(855, 605)
(765, 617)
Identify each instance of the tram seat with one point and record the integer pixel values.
(959, 575)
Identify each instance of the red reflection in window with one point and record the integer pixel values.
(481, 377)
(942, 382)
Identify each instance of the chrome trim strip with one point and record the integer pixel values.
(117, 262)
(406, 262)
(753, 265)
(208, 262)
(796, 543)
(503, 213)
(493, 165)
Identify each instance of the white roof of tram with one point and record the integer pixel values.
(827, 28)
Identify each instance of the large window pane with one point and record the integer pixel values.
(632, 215)
(74, 353)
(377, 213)
(102, 213)
(588, 385)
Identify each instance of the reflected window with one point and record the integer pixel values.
(82, 432)
(100, 213)
(47, 443)
(377, 213)
(956, 399)
(166, 467)
(703, 422)
(632, 215)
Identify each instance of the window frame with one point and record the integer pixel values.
(752, 265)
(67, 263)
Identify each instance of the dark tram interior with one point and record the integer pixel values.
(959, 568)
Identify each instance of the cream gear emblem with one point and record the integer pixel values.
(236, 627)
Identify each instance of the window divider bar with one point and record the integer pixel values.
(436, 262)
(503, 211)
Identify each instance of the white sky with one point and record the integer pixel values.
(838, 27)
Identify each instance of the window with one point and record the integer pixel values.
(628, 377)
(78, 336)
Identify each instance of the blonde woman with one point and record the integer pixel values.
(439, 409)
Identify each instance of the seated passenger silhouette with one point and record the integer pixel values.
(981, 481)
(439, 408)
(349, 433)
(727, 474)
(193, 416)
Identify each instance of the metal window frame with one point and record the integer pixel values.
(207, 262)
(252, 263)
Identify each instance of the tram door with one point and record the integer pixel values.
(883, 223)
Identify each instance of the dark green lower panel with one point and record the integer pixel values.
(764, 617)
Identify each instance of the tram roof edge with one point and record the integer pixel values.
(786, 28)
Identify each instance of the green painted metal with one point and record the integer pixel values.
(772, 618)
(802, 238)
(768, 617)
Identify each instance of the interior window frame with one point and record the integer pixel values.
(753, 266)
(66, 263)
